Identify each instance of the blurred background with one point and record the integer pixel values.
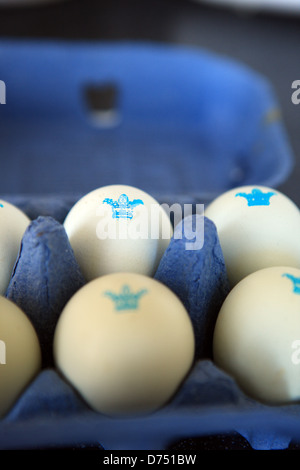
(263, 35)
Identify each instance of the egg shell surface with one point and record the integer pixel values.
(13, 223)
(20, 353)
(257, 335)
(258, 227)
(118, 228)
(125, 342)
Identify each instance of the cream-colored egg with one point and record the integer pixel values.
(13, 223)
(118, 228)
(125, 342)
(20, 354)
(257, 335)
(258, 227)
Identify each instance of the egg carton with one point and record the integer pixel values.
(175, 121)
(182, 124)
(51, 413)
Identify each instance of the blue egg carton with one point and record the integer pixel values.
(180, 123)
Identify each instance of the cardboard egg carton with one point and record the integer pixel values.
(183, 125)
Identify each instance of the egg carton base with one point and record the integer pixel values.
(40, 420)
(208, 402)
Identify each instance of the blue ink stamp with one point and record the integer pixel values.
(126, 300)
(122, 208)
(1, 205)
(295, 282)
(257, 197)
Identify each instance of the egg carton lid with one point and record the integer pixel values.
(172, 120)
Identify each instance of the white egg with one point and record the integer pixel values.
(258, 227)
(20, 354)
(257, 335)
(13, 223)
(125, 342)
(118, 228)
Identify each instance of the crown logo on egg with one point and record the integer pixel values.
(122, 208)
(257, 197)
(296, 282)
(126, 300)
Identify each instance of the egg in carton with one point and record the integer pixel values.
(191, 277)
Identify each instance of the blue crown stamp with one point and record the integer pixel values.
(257, 197)
(122, 208)
(295, 282)
(126, 300)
